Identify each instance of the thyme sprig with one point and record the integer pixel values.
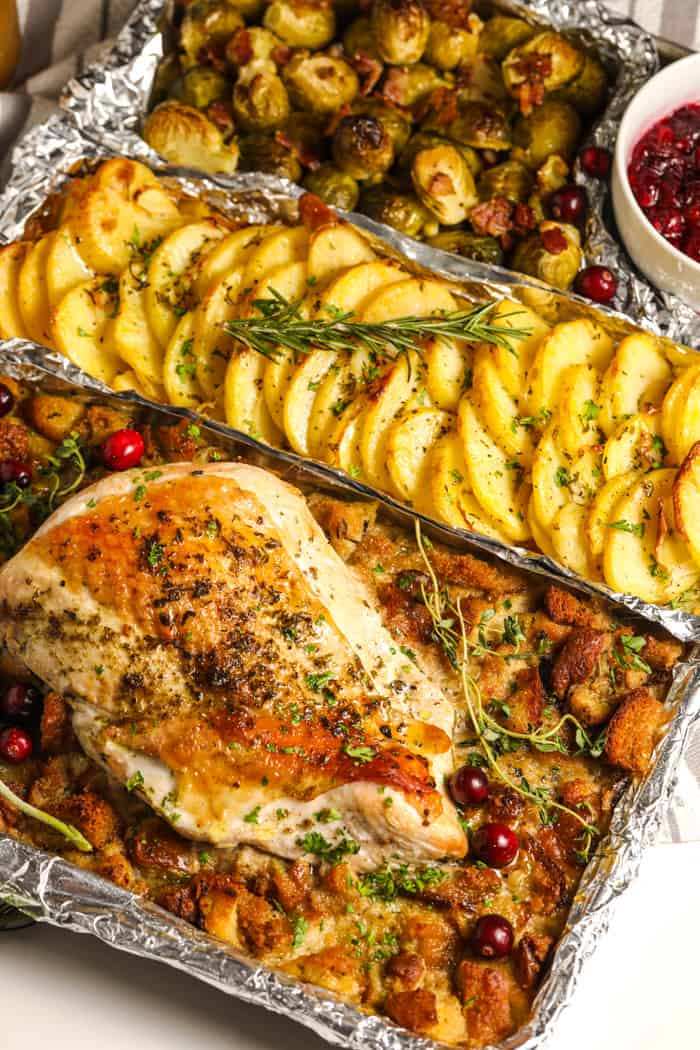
(281, 328)
(69, 451)
(450, 630)
(67, 830)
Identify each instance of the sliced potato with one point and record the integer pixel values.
(333, 389)
(539, 534)
(572, 343)
(414, 297)
(32, 293)
(278, 375)
(686, 501)
(80, 322)
(232, 250)
(687, 420)
(447, 364)
(212, 345)
(299, 400)
(386, 397)
(334, 248)
(637, 378)
(513, 359)
(671, 408)
(65, 266)
(445, 478)
(601, 509)
(168, 290)
(409, 442)
(496, 485)
(351, 290)
(579, 408)
(475, 518)
(12, 257)
(124, 381)
(549, 473)
(498, 411)
(287, 280)
(644, 554)
(131, 333)
(286, 246)
(343, 449)
(569, 539)
(635, 445)
(243, 398)
(180, 367)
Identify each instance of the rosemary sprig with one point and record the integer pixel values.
(446, 615)
(67, 830)
(280, 328)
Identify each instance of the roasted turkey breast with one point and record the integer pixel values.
(221, 660)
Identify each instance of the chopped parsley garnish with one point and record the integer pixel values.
(627, 526)
(135, 781)
(386, 884)
(300, 926)
(512, 631)
(562, 477)
(591, 411)
(360, 752)
(252, 817)
(318, 682)
(314, 842)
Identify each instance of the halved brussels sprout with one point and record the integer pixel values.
(547, 58)
(199, 86)
(264, 153)
(260, 100)
(588, 90)
(358, 39)
(444, 183)
(301, 23)
(407, 85)
(184, 136)
(401, 29)
(397, 125)
(335, 187)
(427, 140)
(402, 211)
(320, 83)
(482, 125)
(362, 147)
(553, 127)
(481, 80)
(501, 34)
(469, 245)
(552, 253)
(511, 180)
(449, 45)
(206, 22)
(251, 44)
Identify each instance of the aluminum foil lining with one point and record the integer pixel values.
(50, 889)
(46, 155)
(109, 101)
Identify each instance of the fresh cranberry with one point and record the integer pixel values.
(496, 844)
(6, 400)
(18, 703)
(11, 470)
(597, 283)
(569, 204)
(493, 937)
(469, 786)
(596, 161)
(123, 449)
(15, 745)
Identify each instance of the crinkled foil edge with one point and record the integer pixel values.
(50, 889)
(109, 101)
(45, 156)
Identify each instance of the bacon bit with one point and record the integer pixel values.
(314, 213)
(395, 85)
(554, 241)
(220, 114)
(455, 13)
(281, 54)
(493, 217)
(532, 70)
(239, 49)
(441, 184)
(441, 104)
(213, 55)
(307, 156)
(524, 218)
(335, 120)
(368, 69)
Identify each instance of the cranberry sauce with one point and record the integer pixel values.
(664, 174)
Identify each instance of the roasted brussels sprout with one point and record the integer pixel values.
(301, 23)
(553, 127)
(427, 140)
(501, 34)
(588, 90)
(481, 80)
(184, 136)
(401, 29)
(260, 99)
(397, 125)
(469, 245)
(206, 23)
(320, 83)
(551, 175)
(358, 39)
(199, 86)
(250, 9)
(362, 147)
(449, 45)
(251, 44)
(264, 153)
(547, 59)
(510, 180)
(167, 78)
(406, 85)
(333, 186)
(552, 253)
(482, 125)
(444, 183)
(402, 211)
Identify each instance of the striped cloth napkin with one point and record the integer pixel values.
(60, 37)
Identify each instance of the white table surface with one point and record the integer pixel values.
(640, 992)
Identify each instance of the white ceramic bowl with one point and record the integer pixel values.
(665, 266)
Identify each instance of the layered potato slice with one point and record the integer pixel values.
(409, 443)
(579, 342)
(12, 257)
(80, 323)
(636, 379)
